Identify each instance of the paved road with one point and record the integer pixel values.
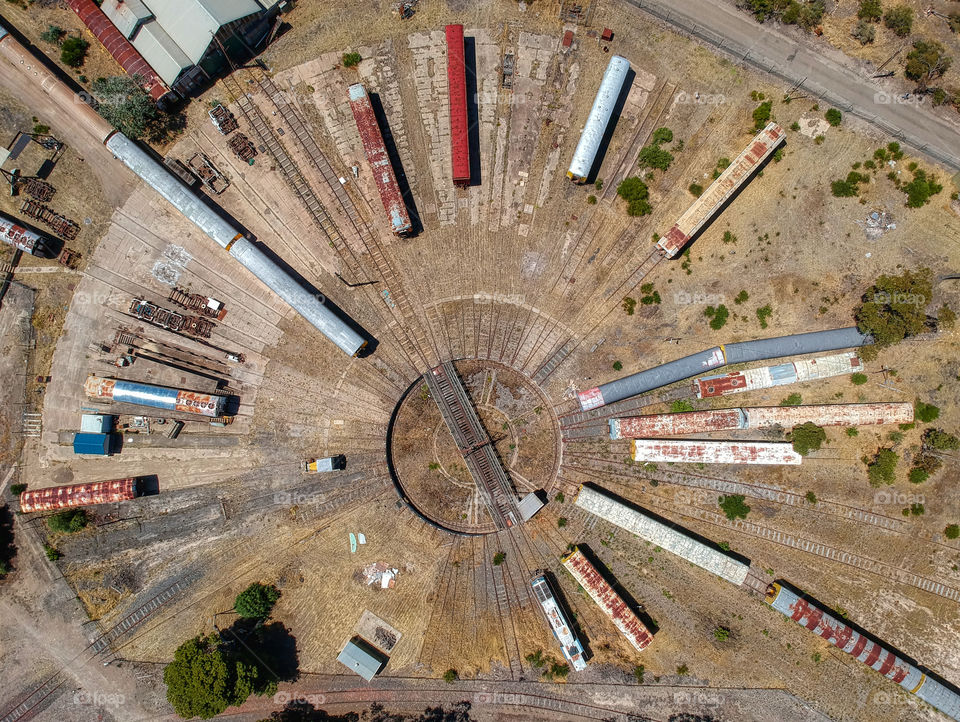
(763, 46)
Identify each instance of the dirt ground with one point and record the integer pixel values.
(508, 276)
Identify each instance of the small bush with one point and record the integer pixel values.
(921, 188)
(946, 317)
(926, 412)
(728, 237)
(351, 60)
(858, 379)
(629, 304)
(256, 601)
(450, 676)
(864, 32)
(662, 135)
(722, 634)
(742, 297)
(734, 506)
(761, 115)
(793, 399)
(696, 190)
(683, 670)
(52, 552)
(68, 521)
(562, 522)
(635, 192)
(917, 475)
(763, 313)
(811, 497)
(833, 117)
(852, 432)
(882, 468)
(41, 128)
(592, 200)
(499, 558)
(940, 440)
(795, 126)
(73, 51)
(870, 10)
(718, 316)
(680, 406)
(638, 673)
(653, 156)
(617, 365)
(559, 498)
(808, 437)
(899, 19)
(17, 489)
(952, 531)
(52, 34)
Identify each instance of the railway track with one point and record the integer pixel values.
(474, 444)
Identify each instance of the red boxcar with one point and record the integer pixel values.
(379, 160)
(62, 497)
(457, 83)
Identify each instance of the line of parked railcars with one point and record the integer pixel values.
(73, 495)
(611, 603)
(223, 232)
(718, 356)
(573, 650)
(684, 451)
(157, 397)
(759, 417)
(379, 160)
(14, 234)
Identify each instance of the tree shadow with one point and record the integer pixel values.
(8, 549)
(270, 646)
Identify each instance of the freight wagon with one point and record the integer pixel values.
(13, 234)
(675, 451)
(158, 397)
(871, 653)
(562, 631)
(62, 497)
(672, 538)
(379, 160)
(329, 463)
(721, 190)
(457, 90)
(759, 417)
(767, 377)
(611, 603)
(585, 156)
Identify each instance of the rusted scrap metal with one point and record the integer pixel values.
(171, 320)
(223, 119)
(198, 302)
(406, 8)
(37, 189)
(63, 227)
(69, 258)
(242, 147)
(208, 174)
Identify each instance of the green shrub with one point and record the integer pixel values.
(921, 188)
(926, 412)
(728, 237)
(52, 34)
(635, 192)
(940, 440)
(68, 521)
(562, 522)
(17, 489)
(256, 601)
(763, 313)
(52, 552)
(662, 135)
(795, 126)
(683, 670)
(895, 307)
(761, 115)
(592, 200)
(742, 297)
(450, 676)
(722, 634)
(807, 437)
(917, 475)
(882, 468)
(870, 10)
(499, 558)
(696, 190)
(351, 60)
(793, 399)
(952, 531)
(617, 365)
(73, 51)
(852, 431)
(833, 117)
(680, 406)
(638, 673)
(811, 497)
(629, 304)
(653, 156)
(858, 379)
(734, 507)
(899, 19)
(946, 317)
(718, 316)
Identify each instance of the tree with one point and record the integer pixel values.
(205, 677)
(73, 51)
(870, 10)
(761, 115)
(921, 188)
(882, 468)
(864, 32)
(68, 521)
(894, 307)
(925, 412)
(940, 440)
(927, 61)
(833, 116)
(653, 156)
(662, 135)
(351, 59)
(126, 105)
(256, 601)
(952, 531)
(17, 489)
(808, 437)
(734, 507)
(899, 19)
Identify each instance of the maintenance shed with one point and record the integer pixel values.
(360, 657)
(92, 444)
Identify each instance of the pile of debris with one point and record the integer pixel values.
(876, 224)
(62, 226)
(379, 573)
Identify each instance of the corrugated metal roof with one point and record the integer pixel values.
(692, 422)
(126, 15)
(608, 600)
(192, 23)
(795, 345)
(714, 452)
(528, 506)
(161, 51)
(358, 657)
(457, 90)
(670, 538)
(91, 444)
(610, 88)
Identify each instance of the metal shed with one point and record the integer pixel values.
(92, 444)
(360, 657)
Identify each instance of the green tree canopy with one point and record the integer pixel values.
(894, 307)
(73, 51)
(122, 101)
(68, 521)
(256, 601)
(927, 61)
(808, 437)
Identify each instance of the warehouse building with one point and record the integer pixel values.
(182, 40)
